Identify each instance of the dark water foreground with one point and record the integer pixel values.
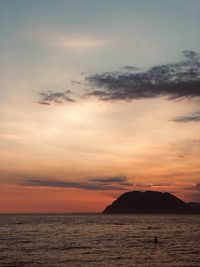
(99, 240)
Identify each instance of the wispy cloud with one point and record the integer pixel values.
(43, 103)
(120, 180)
(117, 179)
(69, 184)
(195, 117)
(152, 184)
(116, 183)
(194, 187)
(174, 81)
(130, 68)
(55, 97)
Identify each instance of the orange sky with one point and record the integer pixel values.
(85, 141)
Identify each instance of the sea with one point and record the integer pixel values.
(99, 240)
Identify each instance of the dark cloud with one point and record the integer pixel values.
(55, 97)
(80, 185)
(77, 82)
(120, 180)
(117, 179)
(130, 68)
(43, 103)
(117, 183)
(174, 81)
(195, 187)
(195, 117)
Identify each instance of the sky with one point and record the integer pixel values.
(97, 98)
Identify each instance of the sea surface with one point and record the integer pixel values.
(99, 240)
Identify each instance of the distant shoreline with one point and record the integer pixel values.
(96, 213)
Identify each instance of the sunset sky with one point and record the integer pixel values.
(97, 98)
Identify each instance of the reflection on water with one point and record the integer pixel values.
(99, 240)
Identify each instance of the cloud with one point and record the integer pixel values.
(130, 68)
(176, 156)
(195, 187)
(195, 117)
(174, 81)
(120, 180)
(116, 183)
(117, 179)
(152, 185)
(79, 185)
(55, 97)
(43, 103)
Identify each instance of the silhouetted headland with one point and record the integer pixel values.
(151, 202)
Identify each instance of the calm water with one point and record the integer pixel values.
(99, 240)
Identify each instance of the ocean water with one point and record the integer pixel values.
(99, 240)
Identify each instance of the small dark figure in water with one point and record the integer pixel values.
(155, 240)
